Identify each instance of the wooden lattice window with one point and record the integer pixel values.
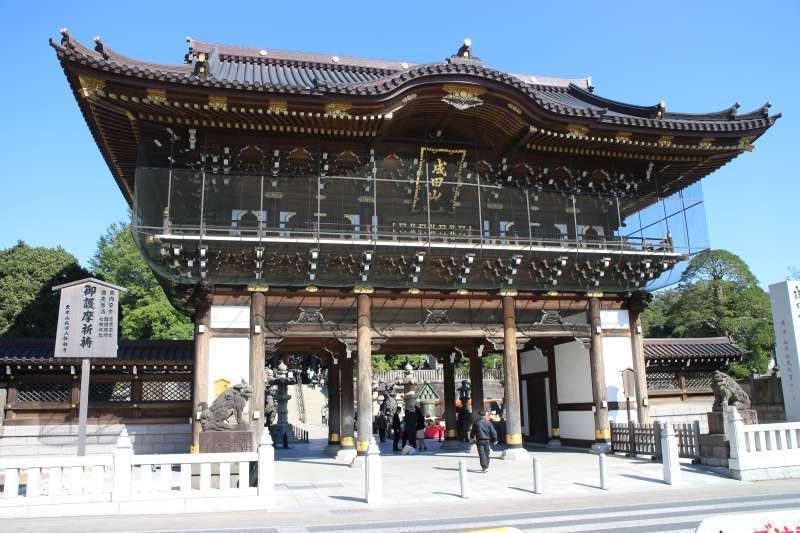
(116, 391)
(700, 379)
(662, 380)
(43, 392)
(166, 391)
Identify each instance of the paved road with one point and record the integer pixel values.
(606, 513)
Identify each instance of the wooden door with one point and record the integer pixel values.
(537, 409)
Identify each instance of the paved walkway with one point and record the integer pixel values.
(307, 479)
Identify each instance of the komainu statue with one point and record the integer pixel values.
(229, 404)
(728, 392)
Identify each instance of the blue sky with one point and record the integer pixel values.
(55, 188)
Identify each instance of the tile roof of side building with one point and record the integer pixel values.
(676, 348)
(237, 67)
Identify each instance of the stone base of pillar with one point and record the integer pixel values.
(554, 443)
(452, 444)
(515, 454)
(346, 455)
(600, 447)
(332, 449)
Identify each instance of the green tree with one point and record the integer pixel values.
(718, 295)
(28, 306)
(145, 311)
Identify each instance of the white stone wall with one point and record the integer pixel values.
(229, 359)
(531, 362)
(678, 412)
(63, 439)
(574, 385)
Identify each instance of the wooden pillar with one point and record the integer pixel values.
(346, 374)
(636, 305)
(549, 351)
(449, 378)
(476, 382)
(364, 333)
(202, 321)
(258, 311)
(511, 401)
(334, 408)
(602, 430)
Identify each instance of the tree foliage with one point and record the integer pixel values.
(145, 311)
(28, 306)
(717, 296)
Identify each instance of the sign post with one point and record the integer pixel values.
(629, 386)
(785, 299)
(87, 328)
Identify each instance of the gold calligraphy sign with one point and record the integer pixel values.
(440, 169)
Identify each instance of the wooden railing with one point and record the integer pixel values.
(645, 439)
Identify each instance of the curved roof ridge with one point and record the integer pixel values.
(614, 105)
(196, 46)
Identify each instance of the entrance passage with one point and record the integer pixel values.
(537, 409)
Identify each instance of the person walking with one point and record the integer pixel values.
(485, 435)
(397, 427)
(380, 423)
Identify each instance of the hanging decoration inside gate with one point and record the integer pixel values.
(439, 173)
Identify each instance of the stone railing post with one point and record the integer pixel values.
(736, 433)
(670, 458)
(266, 466)
(373, 474)
(123, 457)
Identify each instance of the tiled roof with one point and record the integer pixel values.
(276, 71)
(703, 348)
(32, 349)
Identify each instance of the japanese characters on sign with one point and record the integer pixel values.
(439, 173)
(87, 320)
(785, 298)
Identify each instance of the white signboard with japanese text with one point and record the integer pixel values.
(785, 298)
(87, 319)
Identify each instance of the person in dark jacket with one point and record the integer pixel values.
(396, 429)
(380, 423)
(410, 433)
(485, 435)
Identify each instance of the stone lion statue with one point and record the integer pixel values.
(728, 392)
(229, 404)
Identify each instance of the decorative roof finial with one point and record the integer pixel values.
(65, 37)
(98, 47)
(465, 51)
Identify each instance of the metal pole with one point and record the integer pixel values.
(537, 476)
(462, 475)
(83, 413)
(603, 471)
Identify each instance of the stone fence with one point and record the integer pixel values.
(763, 451)
(436, 376)
(125, 483)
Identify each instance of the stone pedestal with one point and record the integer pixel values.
(600, 447)
(516, 454)
(554, 443)
(714, 450)
(716, 420)
(226, 441)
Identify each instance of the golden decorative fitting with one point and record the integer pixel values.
(257, 287)
(219, 103)
(363, 289)
(505, 291)
(362, 445)
(312, 288)
(623, 136)
(515, 438)
(334, 437)
(665, 140)
(556, 432)
(594, 294)
(348, 442)
(576, 130)
(411, 97)
(157, 96)
(462, 97)
(338, 110)
(413, 290)
(706, 142)
(451, 433)
(90, 85)
(603, 434)
(514, 108)
(746, 144)
(278, 106)
(552, 293)
(462, 292)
